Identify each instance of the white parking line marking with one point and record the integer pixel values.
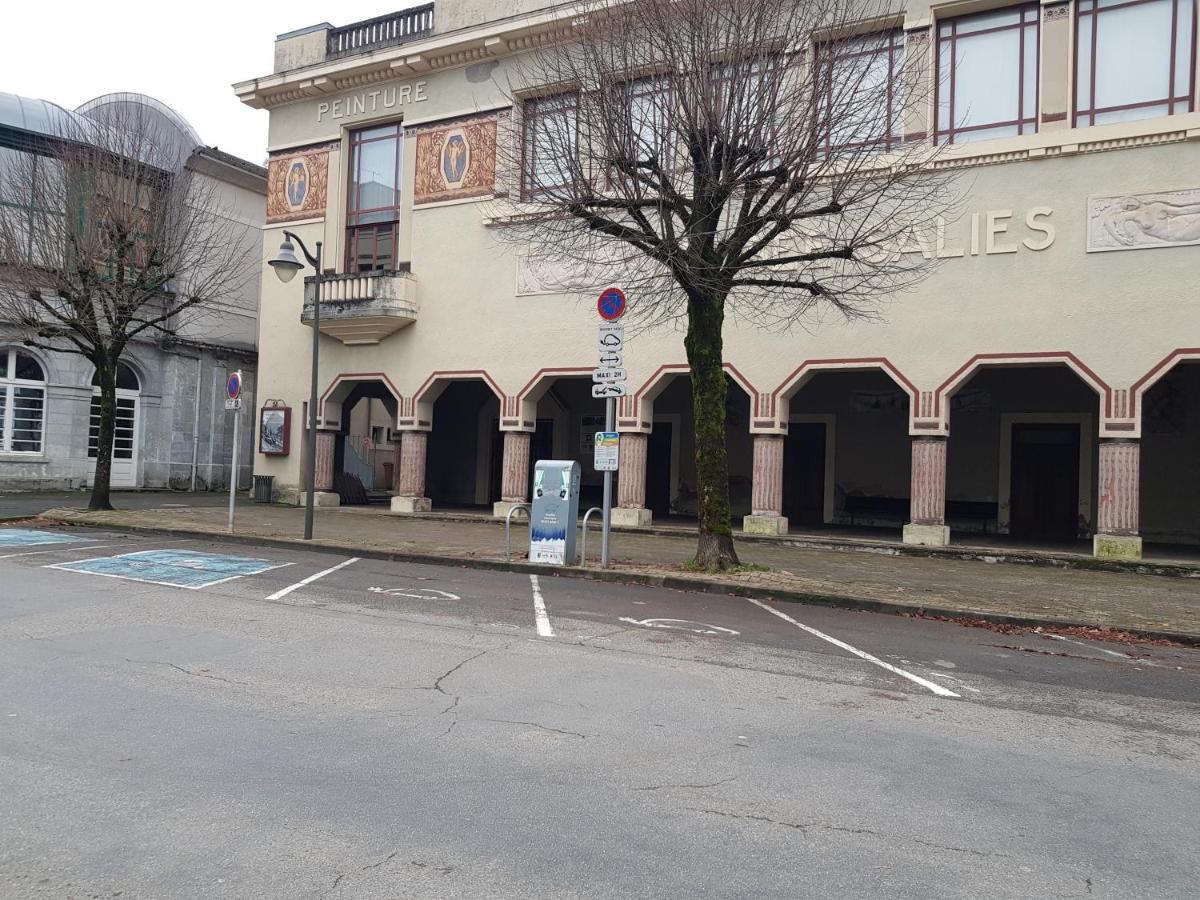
(1059, 637)
(278, 595)
(962, 684)
(679, 625)
(541, 617)
(915, 679)
(415, 593)
(60, 549)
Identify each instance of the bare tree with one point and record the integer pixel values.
(109, 237)
(741, 157)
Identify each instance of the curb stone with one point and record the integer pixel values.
(624, 576)
(1026, 557)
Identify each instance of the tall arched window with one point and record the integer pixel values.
(22, 402)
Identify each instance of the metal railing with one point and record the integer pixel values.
(382, 31)
(583, 537)
(507, 525)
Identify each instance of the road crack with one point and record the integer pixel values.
(437, 682)
(804, 827)
(203, 673)
(663, 787)
(538, 725)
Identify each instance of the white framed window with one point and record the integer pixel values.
(987, 82)
(1134, 59)
(22, 402)
(125, 426)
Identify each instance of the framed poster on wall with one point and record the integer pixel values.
(274, 430)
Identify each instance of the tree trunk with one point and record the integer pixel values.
(705, 351)
(106, 374)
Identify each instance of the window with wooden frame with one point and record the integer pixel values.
(646, 129)
(738, 94)
(549, 143)
(987, 84)
(373, 204)
(1134, 59)
(858, 91)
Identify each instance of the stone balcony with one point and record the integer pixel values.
(362, 308)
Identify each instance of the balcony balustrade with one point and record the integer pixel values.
(382, 31)
(362, 307)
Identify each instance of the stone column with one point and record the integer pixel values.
(410, 479)
(927, 513)
(323, 472)
(631, 511)
(1117, 518)
(766, 493)
(514, 477)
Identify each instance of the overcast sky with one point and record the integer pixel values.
(185, 54)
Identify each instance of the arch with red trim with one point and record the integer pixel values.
(940, 413)
(417, 413)
(329, 406)
(772, 417)
(636, 412)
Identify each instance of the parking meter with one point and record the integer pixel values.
(555, 512)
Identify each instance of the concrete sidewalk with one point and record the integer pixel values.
(985, 587)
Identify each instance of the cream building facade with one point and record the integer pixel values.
(1042, 383)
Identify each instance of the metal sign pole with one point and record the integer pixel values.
(610, 424)
(233, 465)
(609, 382)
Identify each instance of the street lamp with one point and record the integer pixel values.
(286, 265)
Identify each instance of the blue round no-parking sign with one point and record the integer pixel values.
(233, 387)
(611, 304)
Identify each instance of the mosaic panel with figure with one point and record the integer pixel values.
(456, 160)
(297, 183)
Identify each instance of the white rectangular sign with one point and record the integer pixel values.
(607, 451)
(610, 389)
(611, 339)
(233, 404)
(602, 375)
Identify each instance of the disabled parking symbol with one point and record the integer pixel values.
(189, 569)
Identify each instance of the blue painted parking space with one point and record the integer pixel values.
(28, 537)
(189, 569)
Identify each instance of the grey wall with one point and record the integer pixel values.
(169, 398)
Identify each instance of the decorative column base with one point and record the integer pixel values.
(406, 506)
(765, 525)
(926, 535)
(928, 509)
(501, 508)
(766, 491)
(514, 474)
(631, 511)
(1117, 546)
(325, 500)
(631, 517)
(410, 475)
(1117, 519)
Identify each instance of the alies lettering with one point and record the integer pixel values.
(989, 235)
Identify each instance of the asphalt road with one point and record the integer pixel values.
(391, 730)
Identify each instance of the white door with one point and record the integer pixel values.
(125, 435)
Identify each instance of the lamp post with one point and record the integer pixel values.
(286, 265)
